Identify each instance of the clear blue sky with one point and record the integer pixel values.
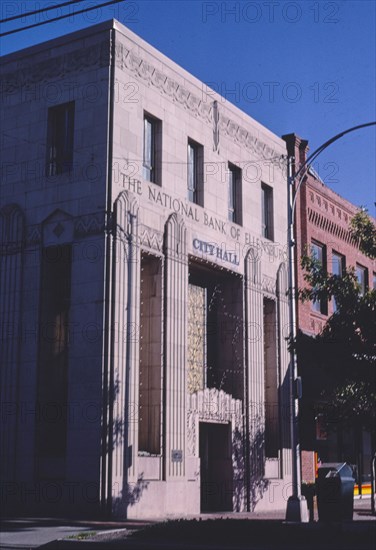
(307, 67)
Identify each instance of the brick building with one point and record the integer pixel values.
(322, 227)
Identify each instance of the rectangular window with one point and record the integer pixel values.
(195, 172)
(60, 130)
(267, 212)
(318, 252)
(374, 281)
(338, 267)
(150, 382)
(362, 276)
(215, 343)
(234, 194)
(271, 380)
(338, 264)
(53, 363)
(152, 159)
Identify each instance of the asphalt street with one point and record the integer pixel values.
(210, 531)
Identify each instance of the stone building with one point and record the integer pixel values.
(322, 226)
(143, 287)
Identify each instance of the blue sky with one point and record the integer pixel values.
(307, 67)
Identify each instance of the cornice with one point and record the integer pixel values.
(200, 107)
(97, 55)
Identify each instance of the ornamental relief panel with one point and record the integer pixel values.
(211, 405)
(127, 59)
(97, 55)
(150, 238)
(90, 224)
(269, 284)
(196, 337)
(33, 235)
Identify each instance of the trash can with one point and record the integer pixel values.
(335, 492)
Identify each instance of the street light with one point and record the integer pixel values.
(296, 505)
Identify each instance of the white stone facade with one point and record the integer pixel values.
(171, 336)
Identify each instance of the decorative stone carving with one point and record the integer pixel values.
(58, 228)
(97, 55)
(33, 235)
(211, 405)
(192, 430)
(282, 282)
(216, 133)
(126, 216)
(91, 224)
(150, 239)
(11, 229)
(253, 264)
(196, 337)
(268, 284)
(127, 59)
(176, 237)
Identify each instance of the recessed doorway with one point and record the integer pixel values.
(216, 467)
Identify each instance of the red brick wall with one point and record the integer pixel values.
(323, 216)
(308, 466)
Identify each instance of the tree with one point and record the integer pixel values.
(364, 231)
(338, 366)
(342, 358)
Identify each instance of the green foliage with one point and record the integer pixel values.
(339, 364)
(363, 230)
(324, 286)
(354, 400)
(354, 321)
(83, 535)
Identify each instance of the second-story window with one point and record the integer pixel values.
(267, 212)
(362, 276)
(338, 267)
(318, 252)
(234, 183)
(152, 149)
(195, 163)
(60, 129)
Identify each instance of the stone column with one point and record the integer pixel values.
(12, 236)
(124, 326)
(283, 329)
(175, 334)
(255, 374)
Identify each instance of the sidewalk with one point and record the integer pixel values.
(52, 534)
(27, 533)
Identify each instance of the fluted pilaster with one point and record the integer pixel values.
(255, 374)
(12, 229)
(125, 340)
(176, 288)
(283, 328)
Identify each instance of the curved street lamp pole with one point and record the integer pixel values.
(296, 505)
